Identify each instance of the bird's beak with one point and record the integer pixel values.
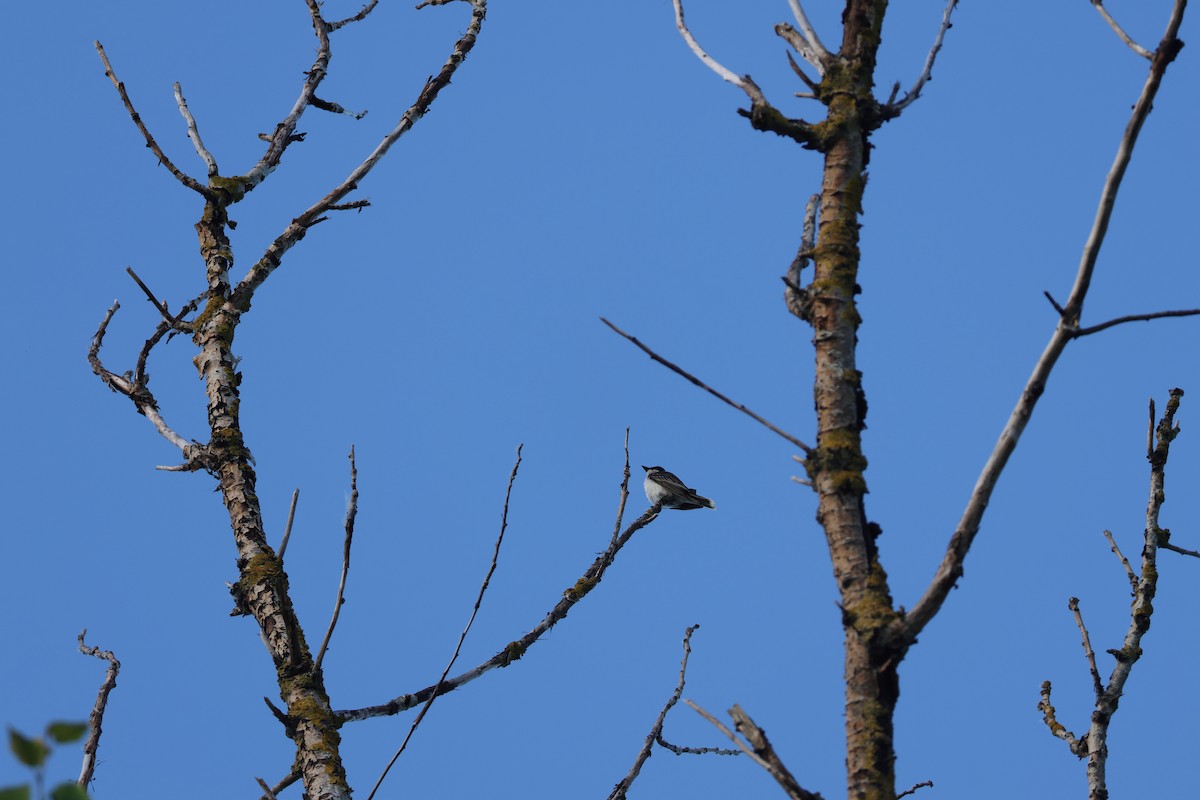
(645, 468)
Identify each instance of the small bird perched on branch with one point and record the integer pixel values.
(666, 489)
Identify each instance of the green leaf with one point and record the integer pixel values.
(68, 791)
(30, 752)
(64, 732)
(15, 793)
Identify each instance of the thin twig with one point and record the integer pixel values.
(159, 305)
(696, 381)
(361, 15)
(912, 789)
(1049, 716)
(624, 493)
(185, 179)
(618, 793)
(818, 55)
(1088, 653)
(744, 83)
(927, 73)
(1134, 46)
(351, 514)
(1054, 303)
(287, 781)
(1191, 312)
(516, 649)
(287, 531)
(193, 131)
(267, 792)
(951, 567)
(97, 716)
(1129, 573)
(716, 723)
(487, 579)
(757, 738)
(1180, 550)
(299, 226)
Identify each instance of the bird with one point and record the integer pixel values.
(665, 489)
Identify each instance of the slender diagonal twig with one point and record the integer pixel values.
(1088, 653)
(287, 781)
(287, 531)
(193, 131)
(819, 55)
(96, 718)
(159, 305)
(696, 381)
(1129, 573)
(487, 579)
(622, 787)
(267, 791)
(126, 385)
(624, 494)
(360, 16)
(1191, 312)
(744, 83)
(182, 177)
(912, 789)
(951, 566)
(1112, 23)
(351, 515)
(927, 73)
(299, 226)
(757, 738)
(516, 649)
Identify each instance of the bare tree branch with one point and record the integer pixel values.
(1129, 573)
(96, 719)
(161, 307)
(744, 83)
(296, 230)
(180, 176)
(622, 787)
(912, 789)
(351, 514)
(624, 495)
(487, 579)
(927, 73)
(193, 131)
(1095, 745)
(287, 781)
(817, 55)
(951, 566)
(361, 15)
(516, 649)
(1134, 46)
(1077, 747)
(634, 340)
(1088, 653)
(287, 531)
(267, 791)
(1191, 312)
(759, 749)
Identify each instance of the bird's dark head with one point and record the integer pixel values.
(652, 469)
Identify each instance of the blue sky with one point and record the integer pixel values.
(584, 163)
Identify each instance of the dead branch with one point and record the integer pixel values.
(696, 381)
(910, 97)
(655, 735)
(516, 649)
(487, 579)
(185, 179)
(96, 719)
(1112, 23)
(193, 131)
(951, 567)
(299, 226)
(351, 515)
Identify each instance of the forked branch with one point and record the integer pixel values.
(951, 567)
